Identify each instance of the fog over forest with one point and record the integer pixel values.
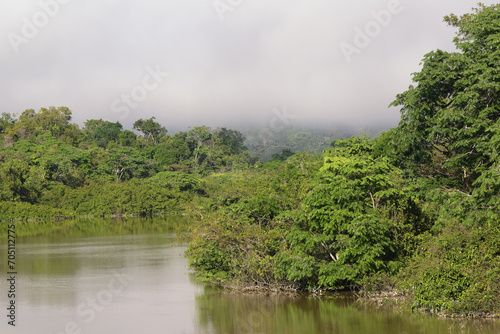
(218, 63)
(263, 130)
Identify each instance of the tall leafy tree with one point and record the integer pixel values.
(173, 150)
(6, 121)
(126, 163)
(19, 181)
(103, 132)
(232, 140)
(152, 131)
(352, 221)
(200, 136)
(57, 121)
(127, 138)
(451, 115)
(285, 154)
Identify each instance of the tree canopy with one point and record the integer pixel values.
(152, 131)
(452, 113)
(415, 210)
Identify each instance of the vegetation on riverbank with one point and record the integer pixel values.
(415, 210)
(96, 226)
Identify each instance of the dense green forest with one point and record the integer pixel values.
(266, 143)
(52, 168)
(415, 210)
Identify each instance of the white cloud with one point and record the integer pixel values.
(263, 55)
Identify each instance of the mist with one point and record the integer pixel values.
(219, 63)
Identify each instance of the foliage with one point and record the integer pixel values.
(103, 132)
(43, 154)
(265, 142)
(177, 180)
(416, 209)
(457, 271)
(231, 140)
(236, 242)
(233, 252)
(52, 119)
(27, 211)
(20, 182)
(6, 121)
(285, 154)
(447, 141)
(126, 163)
(133, 197)
(152, 131)
(173, 150)
(355, 216)
(453, 110)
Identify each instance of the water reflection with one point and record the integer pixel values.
(130, 276)
(52, 231)
(126, 279)
(223, 312)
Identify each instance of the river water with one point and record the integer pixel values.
(87, 278)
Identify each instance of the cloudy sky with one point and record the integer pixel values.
(222, 62)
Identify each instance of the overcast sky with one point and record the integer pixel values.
(194, 62)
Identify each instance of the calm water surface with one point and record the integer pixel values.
(135, 281)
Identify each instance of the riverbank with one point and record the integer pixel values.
(403, 300)
(270, 230)
(161, 222)
(63, 272)
(393, 299)
(379, 291)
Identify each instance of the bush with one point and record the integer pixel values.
(178, 181)
(134, 197)
(25, 211)
(458, 271)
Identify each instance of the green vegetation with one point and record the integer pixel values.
(309, 224)
(50, 167)
(416, 209)
(84, 227)
(269, 144)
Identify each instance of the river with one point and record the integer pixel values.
(133, 278)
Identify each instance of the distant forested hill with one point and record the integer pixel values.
(265, 142)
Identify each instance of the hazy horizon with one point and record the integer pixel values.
(219, 63)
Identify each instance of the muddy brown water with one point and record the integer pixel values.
(138, 282)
